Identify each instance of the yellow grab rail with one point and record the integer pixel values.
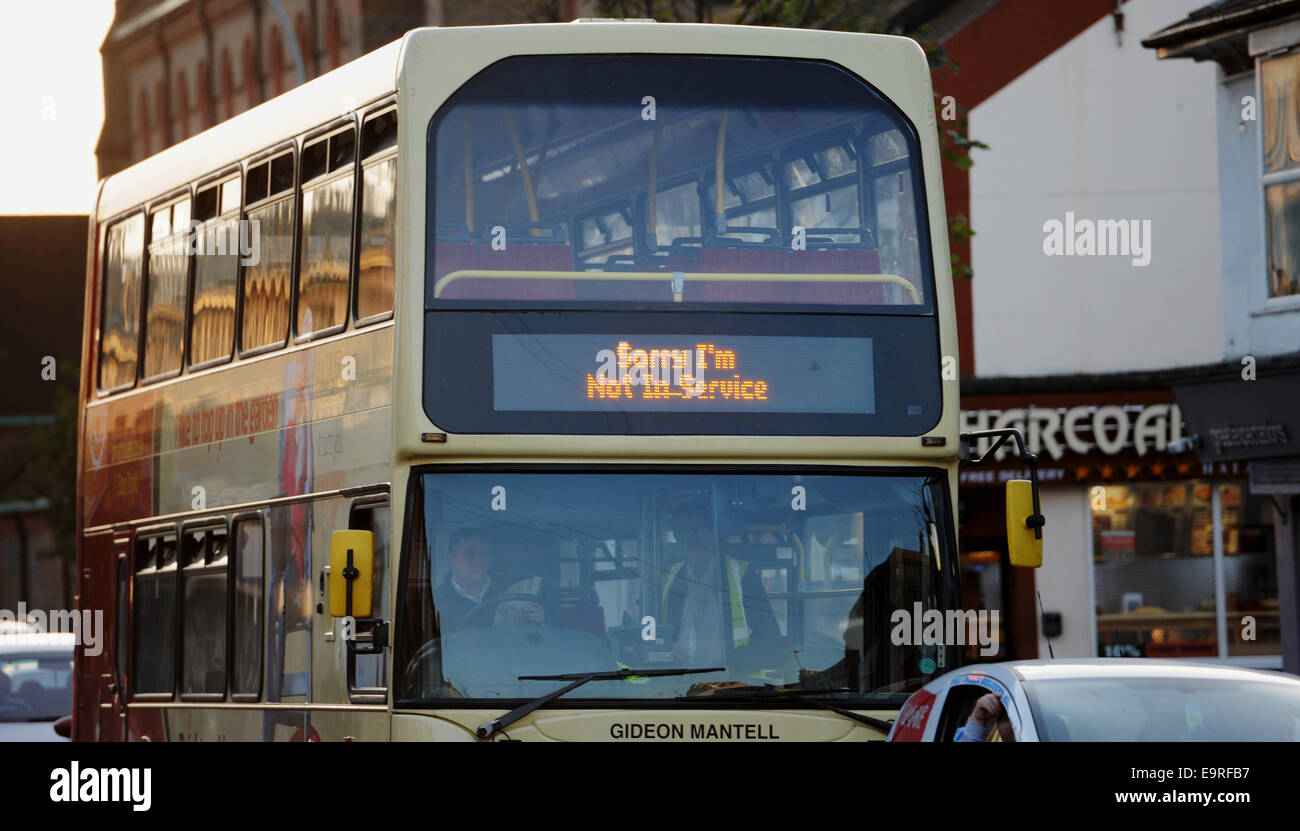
(674, 276)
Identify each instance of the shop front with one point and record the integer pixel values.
(1252, 420)
(1149, 551)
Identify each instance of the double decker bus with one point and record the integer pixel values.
(573, 381)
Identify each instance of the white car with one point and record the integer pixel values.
(35, 685)
(1109, 699)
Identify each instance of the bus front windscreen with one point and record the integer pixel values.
(788, 579)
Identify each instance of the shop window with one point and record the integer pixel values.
(1249, 572)
(1154, 569)
(1153, 549)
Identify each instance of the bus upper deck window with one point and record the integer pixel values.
(377, 245)
(120, 330)
(164, 337)
(267, 282)
(326, 234)
(216, 269)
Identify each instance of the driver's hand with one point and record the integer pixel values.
(988, 708)
(534, 613)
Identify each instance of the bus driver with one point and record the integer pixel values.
(468, 585)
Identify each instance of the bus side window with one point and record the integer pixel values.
(368, 673)
(216, 270)
(119, 334)
(246, 644)
(377, 245)
(169, 276)
(328, 166)
(267, 277)
(203, 612)
(153, 652)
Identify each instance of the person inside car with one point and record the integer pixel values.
(979, 727)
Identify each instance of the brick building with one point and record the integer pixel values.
(173, 68)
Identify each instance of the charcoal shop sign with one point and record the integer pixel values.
(1109, 430)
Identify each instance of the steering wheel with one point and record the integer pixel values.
(423, 652)
(492, 603)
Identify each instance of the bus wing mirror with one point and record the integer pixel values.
(352, 572)
(1024, 525)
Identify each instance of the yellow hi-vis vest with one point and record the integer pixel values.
(735, 572)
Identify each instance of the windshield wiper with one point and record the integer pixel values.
(491, 728)
(769, 691)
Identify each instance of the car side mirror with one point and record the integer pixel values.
(63, 727)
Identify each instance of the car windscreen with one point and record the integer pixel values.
(1168, 709)
(35, 687)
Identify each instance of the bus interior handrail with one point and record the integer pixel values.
(677, 278)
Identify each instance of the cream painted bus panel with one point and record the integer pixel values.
(231, 724)
(285, 424)
(621, 724)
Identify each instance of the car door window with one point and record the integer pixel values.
(960, 702)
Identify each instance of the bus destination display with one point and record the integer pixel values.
(682, 373)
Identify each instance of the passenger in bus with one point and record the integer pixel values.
(468, 585)
(719, 609)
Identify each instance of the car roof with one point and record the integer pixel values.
(1093, 668)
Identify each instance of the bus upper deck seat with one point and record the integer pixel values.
(754, 259)
(524, 256)
(449, 256)
(529, 256)
(643, 291)
(684, 254)
(837, 261)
